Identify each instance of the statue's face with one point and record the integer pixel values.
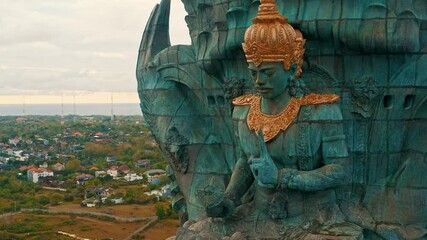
(270, 79)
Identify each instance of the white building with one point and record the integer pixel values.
(20, 155)
(4, 160)
(34, 174)
(113, 172)
(100, 173)
(153, 175)
(14, 141)
(58, 167)
(10, 152)
(155, 192)
(132, 176)
(117, 200)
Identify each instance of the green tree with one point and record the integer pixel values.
(160, 212)
(69, 198)
(55, 199)
(73, 165)
(43, 200)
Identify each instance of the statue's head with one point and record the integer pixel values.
(271, 39)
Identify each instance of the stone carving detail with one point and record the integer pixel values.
(233, 88)
(364, 155)
(393, 31)
(365, 91)
(212, 193)
(177, 152)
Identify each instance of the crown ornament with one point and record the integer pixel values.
(272, 39)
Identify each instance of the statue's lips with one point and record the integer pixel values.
(263, 90)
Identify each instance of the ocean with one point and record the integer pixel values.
(125, 109)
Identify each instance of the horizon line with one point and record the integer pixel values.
(78, 98)
(79, 103)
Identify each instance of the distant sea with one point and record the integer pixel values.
(68, 109)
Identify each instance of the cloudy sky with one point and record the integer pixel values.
(56, 49)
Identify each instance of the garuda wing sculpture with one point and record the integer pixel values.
(187, 112)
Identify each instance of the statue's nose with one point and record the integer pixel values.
(259, 80)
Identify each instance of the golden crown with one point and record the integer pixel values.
(272, 39)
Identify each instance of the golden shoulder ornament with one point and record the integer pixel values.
(271, 125)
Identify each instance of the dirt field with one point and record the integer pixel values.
(45, 226)
(162, 230)
(35, 226)
(128, 211)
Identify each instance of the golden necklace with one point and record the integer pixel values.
(271, 125)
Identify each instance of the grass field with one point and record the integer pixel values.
(127, 211)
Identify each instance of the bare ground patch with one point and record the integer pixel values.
(33, 226)
(161, 230)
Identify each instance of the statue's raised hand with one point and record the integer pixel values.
(222, 210)
(263, 168)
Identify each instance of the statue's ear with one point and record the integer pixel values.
(293, 69)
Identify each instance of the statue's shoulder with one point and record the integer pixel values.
(242, 105)
(323, 106)
(331, 111)
(245, 100)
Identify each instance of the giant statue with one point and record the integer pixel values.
(292, 119)
(300, 154)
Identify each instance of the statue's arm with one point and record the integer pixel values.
(333, 174)
(334, 171)
(240, 182)
(241, 178)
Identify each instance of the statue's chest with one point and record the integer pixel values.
(282, 148)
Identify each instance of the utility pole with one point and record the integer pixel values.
(112, 107)
(74, 107)
(62, 107)
(74, 104)
(23, 106)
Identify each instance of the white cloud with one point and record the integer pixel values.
(109, 55)
(35, 69)
(51, 46)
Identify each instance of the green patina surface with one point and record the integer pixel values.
(371, 53)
